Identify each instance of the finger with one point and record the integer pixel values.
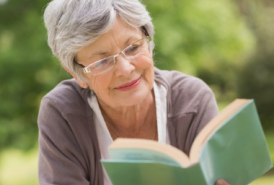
(221, 182)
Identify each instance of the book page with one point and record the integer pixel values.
(148, 150)
(143, 155)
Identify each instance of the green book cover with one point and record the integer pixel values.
(236, 150)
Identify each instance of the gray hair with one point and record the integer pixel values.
(74, 24)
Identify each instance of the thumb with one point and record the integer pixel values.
(221, 182)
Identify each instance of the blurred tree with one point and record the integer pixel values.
(204, 38)
(27, 71)
(208, 39)
(256, 76)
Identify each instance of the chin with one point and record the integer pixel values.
(138, 97)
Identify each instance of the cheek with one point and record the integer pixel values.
(90, 80)
(95, 83)
(149, 77)
(146, 63)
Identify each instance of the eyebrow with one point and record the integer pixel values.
(127, 41)
(100, 53)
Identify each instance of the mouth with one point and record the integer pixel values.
(129, 86)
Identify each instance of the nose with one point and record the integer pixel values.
(123, 66)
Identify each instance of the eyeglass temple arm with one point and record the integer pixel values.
(81, 65)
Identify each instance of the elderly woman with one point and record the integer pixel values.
(107, 47)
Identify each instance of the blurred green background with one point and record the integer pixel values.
(227, 43)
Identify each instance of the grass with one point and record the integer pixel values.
(268, 178)
(270, 143)
(18, 168)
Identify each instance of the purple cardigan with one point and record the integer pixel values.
(68, 147)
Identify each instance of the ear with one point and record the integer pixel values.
(83, 85)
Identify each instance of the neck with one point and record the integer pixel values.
(138, 121)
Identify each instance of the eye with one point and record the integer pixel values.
(132, 50)
(103, 63)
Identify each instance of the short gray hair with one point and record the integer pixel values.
(74, 24)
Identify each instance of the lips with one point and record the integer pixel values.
(129, 85)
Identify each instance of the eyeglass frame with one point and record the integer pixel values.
(85, 68)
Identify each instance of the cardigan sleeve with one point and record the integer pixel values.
(60, 158)
(192, 106)
(207, 109)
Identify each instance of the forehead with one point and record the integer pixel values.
(119, 36)
(119, 32)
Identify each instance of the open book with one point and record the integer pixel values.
(231, 146)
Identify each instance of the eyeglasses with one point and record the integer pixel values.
(132, 51)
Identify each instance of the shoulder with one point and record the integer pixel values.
(68, 97)
(186, 93)
(66, 133)
(179, 81)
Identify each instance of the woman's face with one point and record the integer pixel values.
(129, 82)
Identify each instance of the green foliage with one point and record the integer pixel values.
(208, 39)
(213, 40)
(195, 34)
(27, 71)
(254, 82)
(256, 76)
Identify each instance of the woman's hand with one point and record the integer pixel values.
(221, 182)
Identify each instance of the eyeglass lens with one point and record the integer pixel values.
(129, 52)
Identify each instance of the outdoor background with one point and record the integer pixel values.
(227, 43)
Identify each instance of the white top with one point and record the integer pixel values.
(104, 137)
